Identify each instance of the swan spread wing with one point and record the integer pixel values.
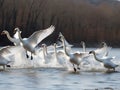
(38, 36)
(4, 50)
(10, 50)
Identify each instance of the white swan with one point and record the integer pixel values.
(66, 42)
(84, 53)
(60, 57)
(55, 59)
(30, 44)
(51, 56)
(46, 55)
(16, 41)
(83, 46)
(107, 61)
(74, 58)
(103, 49)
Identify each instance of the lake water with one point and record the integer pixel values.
(46, 77)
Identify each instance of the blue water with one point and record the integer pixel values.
(49, 78)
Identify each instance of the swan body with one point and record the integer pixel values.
(5, 56)
(30, 44)
(106, 61)
(74, 58)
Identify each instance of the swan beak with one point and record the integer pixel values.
(90, 52)
(14, 31)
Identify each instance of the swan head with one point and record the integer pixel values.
(91, 52)
(17, 30)
(55, 44)
(82, 43)
(61, 37)
(103, 44)
(43, 45)
(60, 34)
(4, 32)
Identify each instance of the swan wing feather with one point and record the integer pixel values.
(4, 50)
(38, 36)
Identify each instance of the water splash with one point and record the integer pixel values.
(62, 61)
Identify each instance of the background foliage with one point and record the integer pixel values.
(91, 21)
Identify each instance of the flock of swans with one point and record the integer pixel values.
(27, 50)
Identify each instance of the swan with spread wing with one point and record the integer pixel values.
(30, 44)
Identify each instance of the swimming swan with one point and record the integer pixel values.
(107, 61)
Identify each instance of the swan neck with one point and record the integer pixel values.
(55, 51)
(96, 57)
(44, 52)
(84, 47)
(9, 37)
(19, 35)
(45, 47)
(64, 47)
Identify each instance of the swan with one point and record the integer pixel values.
(83, 46)
(55, 55)
(5, 56)
(60, 56)
(74, 58)
(84, 52)
(15, 40)
(17, 43)
(106, 61)
(51, 56)
(30, 44)
(46, 55)
(4, 62)
(66, 42)
(103, 49)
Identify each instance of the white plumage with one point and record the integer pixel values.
(74, 58)
(106, 61)
(30, 44)
(5, 56)
(14, 40)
